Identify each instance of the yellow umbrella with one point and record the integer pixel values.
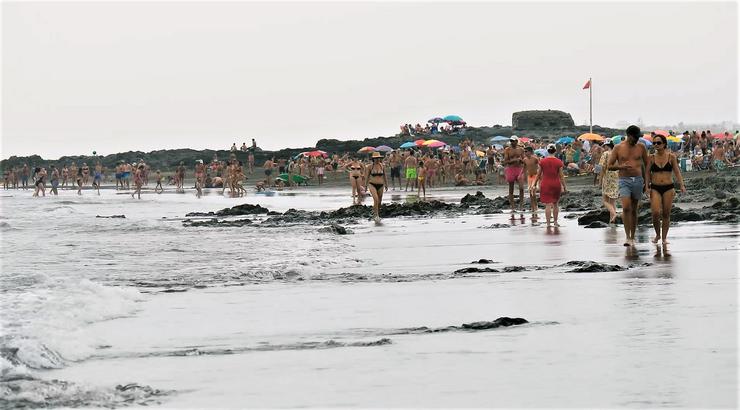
(674, 138)
(480, 153)
(591, 137)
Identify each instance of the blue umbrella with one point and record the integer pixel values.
(617, 139)
(453, 118)
(645, 142)
(409, 144)
(499, 138)
(383, 148)
(498, 146)
(436, 120)
(565, 140)
(541, 152)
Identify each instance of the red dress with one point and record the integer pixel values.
(550, 183)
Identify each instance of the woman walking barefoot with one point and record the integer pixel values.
(552, 185)
(355, 180)
(662, 166)
(376, 181)
(609, 183)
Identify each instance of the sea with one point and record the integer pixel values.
(97, 311)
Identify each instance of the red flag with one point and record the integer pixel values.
(588, 85)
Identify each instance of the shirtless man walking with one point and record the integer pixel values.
(532, 164)
(269, 164)
(632, 158)
(395, 163)
(513, 156)
(410, 164)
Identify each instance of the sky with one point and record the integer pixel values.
(118, 76)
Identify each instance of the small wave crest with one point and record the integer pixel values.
(60, 312)
(25, 391)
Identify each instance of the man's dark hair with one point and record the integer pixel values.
(634, 131)
(528, 148)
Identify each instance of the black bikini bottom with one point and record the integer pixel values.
(661, 189)
(378, 187)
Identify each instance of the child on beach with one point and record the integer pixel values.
(159, 188)
(421, 177)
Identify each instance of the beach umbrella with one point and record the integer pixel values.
(565, 140)
(480, 153)
(365, 150)
(645, 142)
(455, 148)
(383, 148)
(499, 138)
(317, 153)
(409, 144)
(662, 132)
(434, 144)
(617, 139)
(541, 152)
(647, 137)
(436, 120)
(453, 118)
(590, 137)
(524, 139)
(419, 143)
(498, 146)
(720, 136)
(674, 138)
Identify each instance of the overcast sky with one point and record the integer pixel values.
(111, 77)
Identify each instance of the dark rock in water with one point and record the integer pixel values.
(597, 224)
(725, 217)
(571, 216)
(483, 261)
(473, 199)
(495, 226)
(591, 266)
(273, 213)
(337, 229)
(215, 222)
(111, 216)
(502, 321)
(420, 208)
(514, 269)
(243, 209)
(720, 194)
(474, 270)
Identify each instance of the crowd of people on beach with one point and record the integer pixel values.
(543, 167)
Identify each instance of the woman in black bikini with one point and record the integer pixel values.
(355, 180)
(662, 166)
(376, 180)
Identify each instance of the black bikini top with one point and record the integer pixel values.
(668, 167)
(376, 174)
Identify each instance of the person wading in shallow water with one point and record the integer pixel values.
(532, 165)
(514, 172)
(552, 184)
(662, 167)
(376, 181)
(631, 158)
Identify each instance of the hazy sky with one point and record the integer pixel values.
(111, 77)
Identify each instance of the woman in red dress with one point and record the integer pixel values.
(551, 180)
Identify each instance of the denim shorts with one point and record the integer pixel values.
(631, 187)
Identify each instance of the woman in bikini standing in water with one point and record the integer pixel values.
(355, 180)
(376, 181)
(662, 166)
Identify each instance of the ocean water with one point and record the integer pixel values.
(144, 311)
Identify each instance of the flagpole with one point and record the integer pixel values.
(590, 106)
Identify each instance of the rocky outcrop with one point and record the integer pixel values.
(552, 119)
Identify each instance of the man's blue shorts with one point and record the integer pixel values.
(631, 187)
